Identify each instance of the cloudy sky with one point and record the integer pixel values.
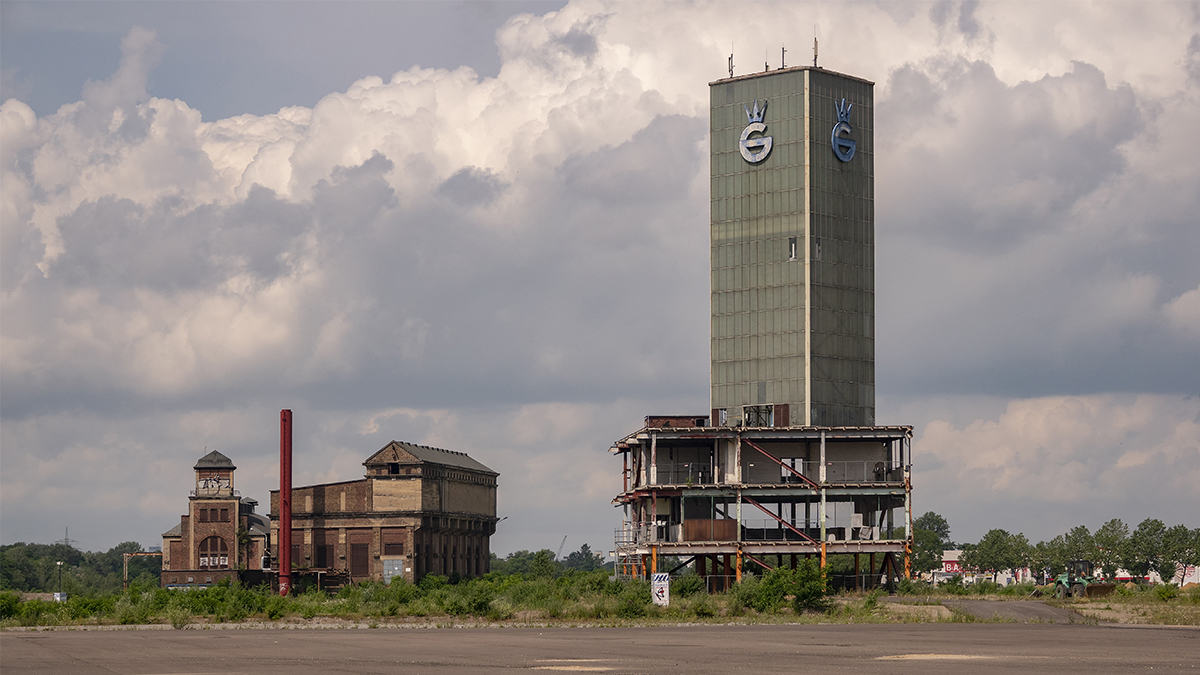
(484, 227)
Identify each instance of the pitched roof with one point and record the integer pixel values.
(176, 531)
(214, 460)
(399, 451)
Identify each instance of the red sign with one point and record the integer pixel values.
(952, 566)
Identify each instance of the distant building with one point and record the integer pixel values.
(219, 536)
(418, 511)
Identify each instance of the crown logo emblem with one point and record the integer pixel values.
(755, 115)
(753, 145)
(843, 111)
(843, 145)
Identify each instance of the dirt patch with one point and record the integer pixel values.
(918, 613)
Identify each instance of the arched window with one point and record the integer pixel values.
(214, 554)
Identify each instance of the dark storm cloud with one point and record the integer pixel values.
(1001, 163)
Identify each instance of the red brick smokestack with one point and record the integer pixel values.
(285, 501)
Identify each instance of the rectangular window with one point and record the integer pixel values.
(203, 513)
(224, 515)
(324, 556)
(791, 248)
(393, 549)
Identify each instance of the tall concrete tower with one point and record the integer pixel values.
(792, 249)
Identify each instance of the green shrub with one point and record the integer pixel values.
(1165, 592)
(686, 586)
(432, 582)
(9, 604)
(275, 607)
(633, 601)
(702, 607)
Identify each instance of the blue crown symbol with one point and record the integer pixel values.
(843, 111)
(755, 115)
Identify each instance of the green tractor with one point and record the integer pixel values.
(1078, 582)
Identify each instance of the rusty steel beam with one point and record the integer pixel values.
(764, 565)
(777, 518)
(780, 463)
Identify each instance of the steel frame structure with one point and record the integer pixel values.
(698, 513)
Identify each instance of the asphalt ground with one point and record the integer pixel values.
(861, 648)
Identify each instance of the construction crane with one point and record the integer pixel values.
(560, 548)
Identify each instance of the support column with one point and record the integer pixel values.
(653, 559)
(821, 514)
(653, 459)
(857, 583)
(738, 569)
(908, 519)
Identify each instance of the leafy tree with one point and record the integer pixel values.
(1110, 540)
(1179, 549)
(931, 537)
(584, 560)
(935, 524)
(998, 551)
(1078, 544)
(1143, 550)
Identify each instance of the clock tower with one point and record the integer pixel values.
(204, 547)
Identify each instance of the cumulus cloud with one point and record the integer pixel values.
(516, 266)
(1047, 464)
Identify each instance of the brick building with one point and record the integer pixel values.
(419, 510)
(220, 535)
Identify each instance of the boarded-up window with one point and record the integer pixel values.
(324, 556)
(360, 563)
(393, 549)
(224, 515)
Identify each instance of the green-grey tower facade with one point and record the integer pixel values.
(792, 249)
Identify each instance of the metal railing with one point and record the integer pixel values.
(684, 473)
(632, 535)
(696, 473)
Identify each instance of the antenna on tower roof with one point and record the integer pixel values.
(814, 46)
(731, 60)
(783, 58)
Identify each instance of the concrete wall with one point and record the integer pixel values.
(758, 319)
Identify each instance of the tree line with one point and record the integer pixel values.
(543, 564)
(34, 568)
(1150, 547)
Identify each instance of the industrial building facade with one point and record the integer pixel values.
(221, 534)
(788, 462)
(419, 510)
